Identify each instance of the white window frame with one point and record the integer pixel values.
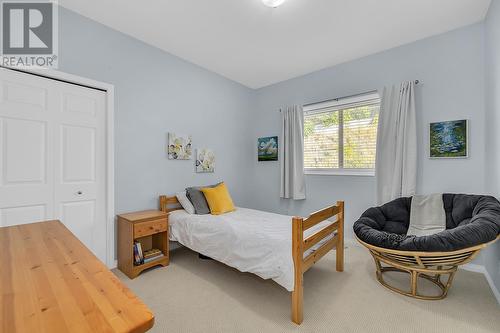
(338, 103)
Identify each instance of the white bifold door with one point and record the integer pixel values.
(52, 155)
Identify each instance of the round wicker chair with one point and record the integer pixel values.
(473, 222)
(428, 265)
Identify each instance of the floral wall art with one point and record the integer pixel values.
(205, 160)
(179, 147)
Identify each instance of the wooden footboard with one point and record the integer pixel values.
(301, 245)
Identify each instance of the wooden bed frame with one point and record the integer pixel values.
(301, 245)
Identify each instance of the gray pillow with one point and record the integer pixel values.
(197, 198)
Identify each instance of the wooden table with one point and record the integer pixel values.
(50, 282)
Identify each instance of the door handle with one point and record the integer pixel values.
(79, 193)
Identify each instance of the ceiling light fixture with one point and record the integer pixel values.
(273, 3)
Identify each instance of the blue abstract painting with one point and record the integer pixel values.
(448, 139)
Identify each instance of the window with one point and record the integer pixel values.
(340, 136)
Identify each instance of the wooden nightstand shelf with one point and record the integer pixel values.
(150, 228)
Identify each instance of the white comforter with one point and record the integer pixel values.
(246, 239)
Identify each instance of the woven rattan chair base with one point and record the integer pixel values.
(431, 266)
(415, 277)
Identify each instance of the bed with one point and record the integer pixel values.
(272, 246)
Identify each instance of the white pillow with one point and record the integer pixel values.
(185, 203)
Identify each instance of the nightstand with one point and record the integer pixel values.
(150, 228)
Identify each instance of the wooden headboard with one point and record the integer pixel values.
(169, 204)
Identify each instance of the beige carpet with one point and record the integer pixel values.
(193, 295)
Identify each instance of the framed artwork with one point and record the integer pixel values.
(179, 147)
(449, 139)
(267, 148)
(205, 160)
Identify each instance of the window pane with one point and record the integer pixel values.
(360, 136)
(321, 140)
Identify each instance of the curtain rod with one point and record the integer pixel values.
(344, 97)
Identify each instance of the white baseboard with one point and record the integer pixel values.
(480, 269)
(473, 268)
(350, 242)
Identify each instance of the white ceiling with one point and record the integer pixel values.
(250, 43)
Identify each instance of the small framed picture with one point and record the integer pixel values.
(205, 160)
(179, 147)
(267, 148)
(449, 139)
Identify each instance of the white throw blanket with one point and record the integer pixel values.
(427, 215)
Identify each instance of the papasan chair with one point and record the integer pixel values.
(472, 223)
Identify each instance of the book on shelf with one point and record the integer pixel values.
(158, 256)
(138, 254)
(151, 253)
(143, 257)
(137, 260)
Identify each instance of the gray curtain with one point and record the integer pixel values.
(396, 163)
(292, 153)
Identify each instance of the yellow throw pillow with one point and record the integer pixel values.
(218, 199)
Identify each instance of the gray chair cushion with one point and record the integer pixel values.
(470, 220)
(197, 198)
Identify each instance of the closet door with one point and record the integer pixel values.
(80, 164)
(52, 155)
(26, 149)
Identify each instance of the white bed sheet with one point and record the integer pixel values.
(248, 240)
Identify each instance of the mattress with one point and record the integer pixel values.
(248, 240)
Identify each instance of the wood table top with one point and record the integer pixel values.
(142, 216)
(50, 282)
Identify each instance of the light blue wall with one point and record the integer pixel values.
(155, 93)
(451, 70)
(491, 256)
